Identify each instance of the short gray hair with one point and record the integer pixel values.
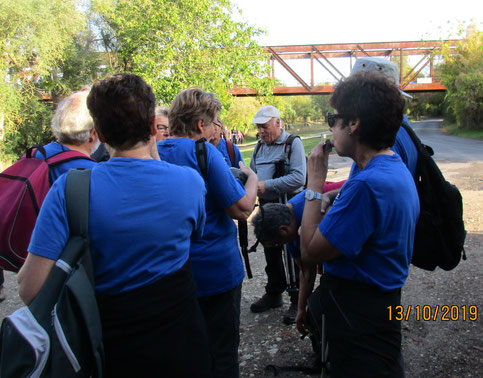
(161, 111)
(72, 122)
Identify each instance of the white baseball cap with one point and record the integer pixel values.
(386, 67)
(265, 114)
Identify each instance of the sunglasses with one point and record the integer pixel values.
(332, 118)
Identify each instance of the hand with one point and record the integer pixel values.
(246, 170)
(301, 322)
(318, 164)
(325, 204)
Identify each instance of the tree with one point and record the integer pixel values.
(177, 44)
(34, 35)
(462, 74)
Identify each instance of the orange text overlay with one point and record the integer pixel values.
(445, 313)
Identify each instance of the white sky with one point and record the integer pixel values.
(301, 22)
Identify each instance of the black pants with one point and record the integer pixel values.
(362, 341)
(222, 317)
(156, 330)
(277, 281)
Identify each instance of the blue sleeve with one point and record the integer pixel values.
(51, 229)
(352, 218)
(223, 186)
(298, 206)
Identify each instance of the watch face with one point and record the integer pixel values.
(310, 194)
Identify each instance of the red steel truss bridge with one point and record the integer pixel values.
(330, 58)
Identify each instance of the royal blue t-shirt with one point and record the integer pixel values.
(224, 151)
(142, 217)
(372, 223)
(54, 148)
(216, 260)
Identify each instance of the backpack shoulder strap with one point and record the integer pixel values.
(231, 152)
(201, 156)
(65, 156)
(77, 193)
(257, 147)
(77, 188)
(288, 145)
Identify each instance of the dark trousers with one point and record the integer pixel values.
(222, 317)
(2, 277)
(276, 278)
(156, 330)
(363, 341)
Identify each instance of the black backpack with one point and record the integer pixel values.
(440, 231)
(59, 334)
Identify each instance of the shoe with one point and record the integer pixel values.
(266, 303)
(2, 293)
(290, 314)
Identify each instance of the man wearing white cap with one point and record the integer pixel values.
(403, 145)
(281, 168)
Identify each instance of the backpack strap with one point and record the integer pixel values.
(257, 147)
(231, 152)
(77, 193)
(66, 156)
(288, 144)
(202, 157)
(417, 142)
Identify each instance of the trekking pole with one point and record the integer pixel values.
(243, 238)
(288, 261)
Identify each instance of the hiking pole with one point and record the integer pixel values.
(243, 238)
(288, 260)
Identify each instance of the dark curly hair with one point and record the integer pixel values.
(190, 106)
(268, 220)
(122, 107)
(376, 102)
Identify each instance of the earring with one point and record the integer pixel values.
(350, 133)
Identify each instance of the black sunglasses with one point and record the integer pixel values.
(331, 118)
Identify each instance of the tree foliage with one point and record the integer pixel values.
(34, 35)
(462, 74)
(178, 44)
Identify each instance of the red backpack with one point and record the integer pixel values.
(23, 187)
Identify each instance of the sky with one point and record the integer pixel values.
(302, 22)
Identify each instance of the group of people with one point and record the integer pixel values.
(167, 266)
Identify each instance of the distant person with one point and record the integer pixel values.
(231, 152)
(151, 322)
(280, 177)
(366, 239)
(217, 264)
(162, 123)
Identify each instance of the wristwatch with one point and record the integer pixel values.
(311, 195)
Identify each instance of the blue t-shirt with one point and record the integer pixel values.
(224, 151)
(216, 260)
(142, 215)
(54, 148)
(372, 223)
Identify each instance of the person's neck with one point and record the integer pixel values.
(365, 154)
(84, 148)
(140, 151)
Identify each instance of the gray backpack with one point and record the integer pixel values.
(59, 334)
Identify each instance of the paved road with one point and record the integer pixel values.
(446, 148)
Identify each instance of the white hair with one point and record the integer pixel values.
(72, 122)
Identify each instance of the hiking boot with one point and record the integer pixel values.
(290, 314)
(267, 302)
(2, 293)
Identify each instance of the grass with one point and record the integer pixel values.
(453, 129)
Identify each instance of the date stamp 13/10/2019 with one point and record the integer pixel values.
(445, 313)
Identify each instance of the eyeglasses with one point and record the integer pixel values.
(332, 118)
(162, 127)
(217, 124)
